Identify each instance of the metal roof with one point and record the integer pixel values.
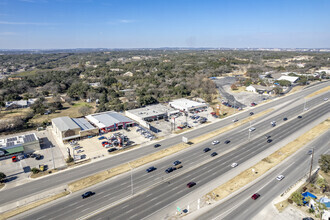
(83, 124)
(107, 119)
(18, 140)
(14, 150)
(65, 123)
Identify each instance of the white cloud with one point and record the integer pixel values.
(126, 21)
(7, 33)
(23, 23)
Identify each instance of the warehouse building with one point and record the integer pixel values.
(27, 143)
(66, 128)
(150, 113)
(187, 105)
(110, 121)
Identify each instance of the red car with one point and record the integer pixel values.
(179, 127)
(255, 196)
(191, 184)
(14, 159)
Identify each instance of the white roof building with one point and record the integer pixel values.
(291, 79)
(109, 120)
(186, 104)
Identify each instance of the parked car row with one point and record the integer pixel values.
(144, 132)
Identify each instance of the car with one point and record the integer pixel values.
(227, 141)
(215, 142)
(87, 194)
(112, 150)
(14, 159)
(169, 170)
(310, 152)
(80, 151)
(176, 167)
(269, 140)
(325, 99)
(39, 157)
(273, 123)
(157, 145)
(280, 177)
(176, 162)
(150, 169)
(33, 155)
(206, 149)
(251, 113)
(191, 184)
(285, 119)
(255, 196)
(234, 164)
(235, 120)
(252, 129)
(308, 218)
(214, 154)
(179, 127)
(268, 136)
(305, 109)
(299, 116)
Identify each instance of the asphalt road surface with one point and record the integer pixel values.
(164, 193)
(241, 206)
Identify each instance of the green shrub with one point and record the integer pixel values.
(35, 170)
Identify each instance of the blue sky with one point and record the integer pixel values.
(45, 24)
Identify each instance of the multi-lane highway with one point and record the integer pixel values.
(37, 186)
(162, 192)
(241, 206)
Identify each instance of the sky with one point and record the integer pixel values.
(63, 24)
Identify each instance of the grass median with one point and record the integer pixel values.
(25, 208)
(104, 175)
(326, 89)
(267, 163)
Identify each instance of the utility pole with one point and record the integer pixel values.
(310, 171)
(132, 188)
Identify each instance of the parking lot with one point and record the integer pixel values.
(18, 172)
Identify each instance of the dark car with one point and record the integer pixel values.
(308, 218)
(310, 152)
(87, 194)
(177, 162)
(214, 154)
(169, 170)
(150, 169)
(269, 140)
(39, 157)
(206, 149)
(268, 136)
(112, 149)
(227, 141)
(157, 145)
(33, 155)
(191, 184)
(251, 113)
(285, 119)
(299, 116)
(255, 196)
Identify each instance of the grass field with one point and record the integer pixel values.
(27, 73)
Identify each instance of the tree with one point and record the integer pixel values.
(35, 170)
(283, 82)
(84, 110)
(2, 177)
(324, 162)
(297, 198)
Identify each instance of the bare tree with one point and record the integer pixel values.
(84, 110)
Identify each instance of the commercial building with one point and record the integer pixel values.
(291, 79)
(110, 121)
(259, 89)
(66, 128)
(187, 105)
(27, 143)
(150, 113)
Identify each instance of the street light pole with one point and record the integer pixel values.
(53, 156)
(132, 188)
(310, 170)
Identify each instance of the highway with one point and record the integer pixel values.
(164, 193)
(241, 206)
(62, 178)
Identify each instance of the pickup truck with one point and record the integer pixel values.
(42, 167)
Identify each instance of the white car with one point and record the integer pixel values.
(215, 142)
(235, 120)
(325, 99)
(252, 129)
(234, 164)
(280, 177)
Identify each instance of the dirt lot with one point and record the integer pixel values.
(267, 163)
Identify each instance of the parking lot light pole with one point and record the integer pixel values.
(52, 146)
(132, 188)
